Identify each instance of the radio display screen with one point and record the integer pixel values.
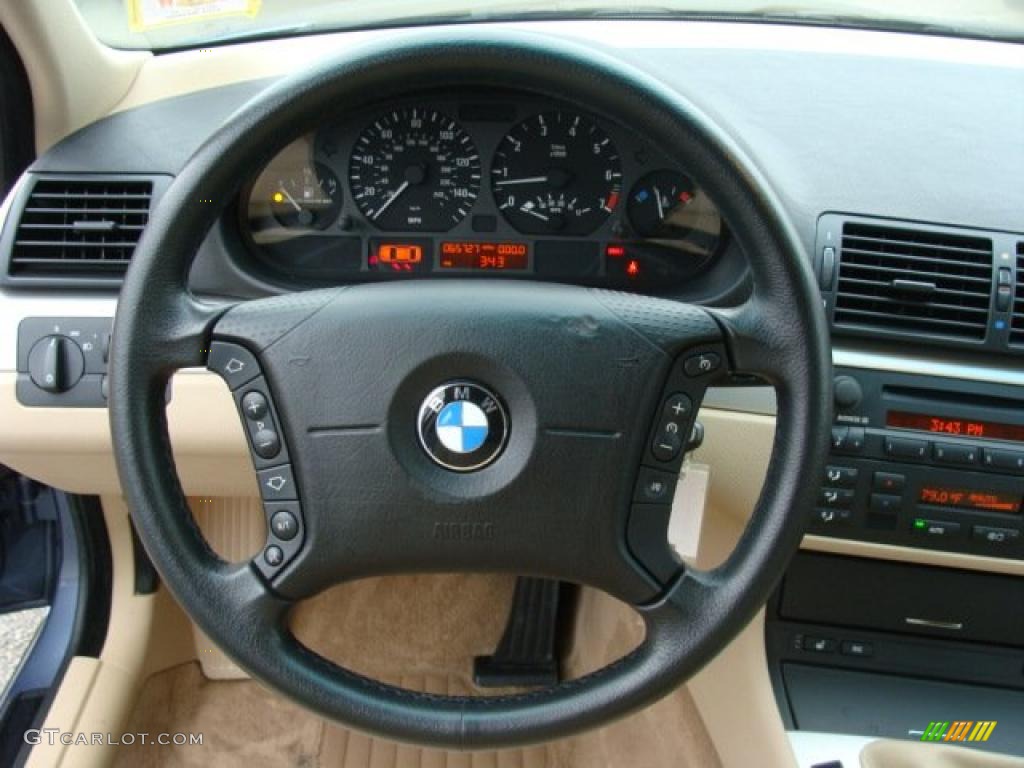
(981, 430)
(969, 498)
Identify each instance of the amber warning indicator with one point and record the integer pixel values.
(480, 255)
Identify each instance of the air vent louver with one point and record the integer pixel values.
(914, 281)
(80, 227)
(1017, 322)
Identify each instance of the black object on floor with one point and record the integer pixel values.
(526, 655)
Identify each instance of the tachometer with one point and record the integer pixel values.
(414, 169)
(556, 173)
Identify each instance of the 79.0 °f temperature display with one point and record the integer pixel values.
(970, 498)
(480, 255)
(982, 430)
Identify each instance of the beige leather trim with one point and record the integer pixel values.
(70, 448)
(887, 753)
(147, 633)
(75, 80)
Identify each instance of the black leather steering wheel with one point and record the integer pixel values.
(589, 382)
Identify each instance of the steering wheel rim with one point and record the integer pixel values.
(778, 333)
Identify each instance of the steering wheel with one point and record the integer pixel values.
(369, 396)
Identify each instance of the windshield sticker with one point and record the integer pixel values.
(150, 14)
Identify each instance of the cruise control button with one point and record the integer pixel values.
(654, 486)
(254, 406)
(841, 477)
(667, 445)
(284, 525)
(277, 484)
(702, 364)
(677, 407)
(266, 443)
(273, 555)
(992, 535)
(235, 364)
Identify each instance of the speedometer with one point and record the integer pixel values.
(556, 173)
(414, 169)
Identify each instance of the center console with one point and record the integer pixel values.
(923, 462)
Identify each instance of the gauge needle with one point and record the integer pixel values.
(532, 212)
(394, 196)
(661, 207)
(527, 180)
(291, 200)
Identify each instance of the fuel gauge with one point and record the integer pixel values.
(667, 205)
(309, 198)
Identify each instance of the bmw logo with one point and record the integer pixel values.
(462, 426)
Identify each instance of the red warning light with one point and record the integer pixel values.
(633, 268)
(615, 251)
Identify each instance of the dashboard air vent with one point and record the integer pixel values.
(913, 281)
(80, 227)
(1017, 321)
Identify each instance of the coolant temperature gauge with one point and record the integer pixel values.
(309, 199)
(667, 205)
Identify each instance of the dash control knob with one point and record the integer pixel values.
(55, 363)
(847, 392)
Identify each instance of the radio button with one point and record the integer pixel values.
(847, 439)
(888, 482)
(841, 477)
(905, 448)
(839, 498)
(934, 527)
(992, 535)
(884, 503)
(947, 453)
(997, 458)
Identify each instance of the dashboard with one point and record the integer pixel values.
(478, 184)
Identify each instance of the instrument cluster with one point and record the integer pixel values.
(479, 185)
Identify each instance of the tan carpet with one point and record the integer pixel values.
(421, 632)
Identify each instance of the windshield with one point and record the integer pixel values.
(161, 24)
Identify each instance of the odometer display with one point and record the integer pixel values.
(414, 169)
(484, 256)
(556, 173)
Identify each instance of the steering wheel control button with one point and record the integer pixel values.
(233, 363)
(654, 486)
(284, 525)
(273, 555)
(266, 443)
(668, 436)
(254, 406)
(702, 364)
(462, 426)
(277, 484)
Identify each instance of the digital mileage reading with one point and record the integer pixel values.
(987, 430)
(490, 256)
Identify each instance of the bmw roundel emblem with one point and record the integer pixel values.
(462, 426)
